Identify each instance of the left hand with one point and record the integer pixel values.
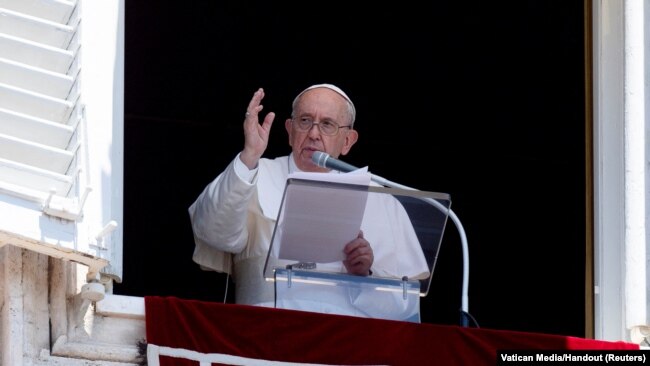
(359, 256)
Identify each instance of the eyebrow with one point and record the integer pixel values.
(307, 114)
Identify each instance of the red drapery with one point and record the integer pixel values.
(228, 334)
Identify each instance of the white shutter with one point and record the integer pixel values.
(61, 170)
(37, 97)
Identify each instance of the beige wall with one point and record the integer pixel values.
(44, 320)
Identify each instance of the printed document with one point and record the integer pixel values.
(317, 221)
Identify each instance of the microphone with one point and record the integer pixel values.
(324, 160)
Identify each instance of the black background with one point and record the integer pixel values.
(481, 100)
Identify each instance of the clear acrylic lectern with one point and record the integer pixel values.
(316, 220)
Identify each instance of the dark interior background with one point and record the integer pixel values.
(481, 100)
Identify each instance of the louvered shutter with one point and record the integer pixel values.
(61, 127)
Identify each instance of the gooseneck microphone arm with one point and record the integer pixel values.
(324, 160)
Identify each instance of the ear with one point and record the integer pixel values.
(287, 126)
(350, 138)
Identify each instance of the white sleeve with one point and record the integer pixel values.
(219, 214)
(242, 171)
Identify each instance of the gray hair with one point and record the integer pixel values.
(351, 110)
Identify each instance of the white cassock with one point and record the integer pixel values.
(233, 221)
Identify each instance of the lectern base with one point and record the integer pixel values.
(342, 294)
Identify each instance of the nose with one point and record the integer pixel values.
(314, 131)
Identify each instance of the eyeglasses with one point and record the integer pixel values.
(328, 128)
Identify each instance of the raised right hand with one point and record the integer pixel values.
(256, 135)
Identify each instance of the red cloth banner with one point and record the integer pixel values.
(193, 333)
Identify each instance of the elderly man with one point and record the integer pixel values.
(234, 217)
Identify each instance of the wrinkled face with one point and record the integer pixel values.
(320, 105)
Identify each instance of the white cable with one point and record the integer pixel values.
(225, 291)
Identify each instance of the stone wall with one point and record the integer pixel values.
(44, 320)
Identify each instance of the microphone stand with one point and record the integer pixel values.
(324, 160)
(464, 319)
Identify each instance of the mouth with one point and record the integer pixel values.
(308, 154)
(309, 151)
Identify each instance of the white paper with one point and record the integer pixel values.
(318, 221)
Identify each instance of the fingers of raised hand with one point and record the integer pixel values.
(254, 106)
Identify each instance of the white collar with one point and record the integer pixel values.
(292, 165)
